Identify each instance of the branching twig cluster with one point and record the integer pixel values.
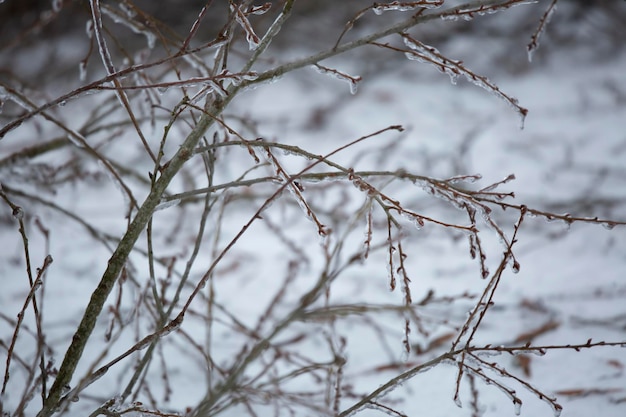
(185, 248)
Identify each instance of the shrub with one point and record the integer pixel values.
(239, 272)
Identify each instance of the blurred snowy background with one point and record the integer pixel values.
(570, 157)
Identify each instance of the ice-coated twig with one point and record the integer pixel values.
(428, 54)
(495, 185)
(404, 6)
(86, 89)
(172, 326)
(568, 218)
(479, 310)
(318, 159)
(296, 191)
(369, 221)
(35, 285)
(540, 350)
(107, 61)
(354, 81)
(379, 8)
(132, 24)
(396, 28)
(543, 23)
(260, 9)
(471, 10)
(75, 137)
(242, 19)
(475, 244)
(556, 407)
(195, 26)
(408, 300)
(509, 392)
(277, 71)
(394, 383)
(391, 249)
(269, 35)
(102, 46)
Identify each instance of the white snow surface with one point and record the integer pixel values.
(571, 152)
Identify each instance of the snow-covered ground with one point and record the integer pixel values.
(569, 158)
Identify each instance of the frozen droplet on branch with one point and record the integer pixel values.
(172, 326)
(37, 285)
(354, 81)
(18, 213)
(608, 225)
(464, 178)
(89, 28)
(76, 141)
(353, 87)
(430, 55)
(413, 218)
(538, 351)
(82, 70)
(238, 79)
(165, 204)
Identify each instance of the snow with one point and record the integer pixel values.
(572, 150)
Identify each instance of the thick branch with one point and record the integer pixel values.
(118, 259)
